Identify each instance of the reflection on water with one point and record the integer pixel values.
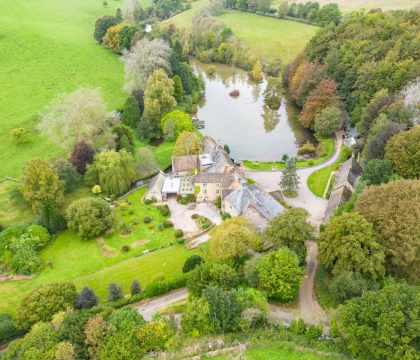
(251, 130)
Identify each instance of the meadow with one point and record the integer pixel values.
(266, 37)
(351, 5)
(98, 262)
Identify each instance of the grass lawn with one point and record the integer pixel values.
(280, 354)
(261, 166)
(318, 180)
(94, 264)
(269, 38)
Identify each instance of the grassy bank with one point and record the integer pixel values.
(318, 180)
(264, 166)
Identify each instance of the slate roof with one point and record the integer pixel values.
(157, 182)
(258, 198)
(215, 178)
(184, 163)
(219, 157)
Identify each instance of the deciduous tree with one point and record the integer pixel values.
(232, 239)
(81, 156)
(102, 25)
(81, 115)
(43, 302)
(41, 185)
(349, 243)
(280, 274)
(323, 96)
(257, 72)
(328, 121)
(403, 151)
(180, 122)
(89, 217)
(382, 324)
(113, 171)
(144, 58)
(377, 172)
(188, 143)
(86, 299)
(290, 229)
(393, 210)
(159, 96)
(68, 174)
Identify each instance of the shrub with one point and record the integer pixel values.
(147, 201)
(168, 224)
(147, 219)
(8, 329)
(164, 210)
(307, 148)
(191, 263)
(348, 285)
(86, 299)
(207, 274)
(179, 233)
(125, 248)
(155, 335)
(135, 288)
(211, 70)
(114, 292)
(157, 288)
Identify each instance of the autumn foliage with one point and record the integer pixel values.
(323, 96)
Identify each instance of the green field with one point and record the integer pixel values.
(269, 37)
(47, 48)
(266, 37)
(89, 263)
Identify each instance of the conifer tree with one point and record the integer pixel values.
(131, 115)
(178, 90)
(289, 178)
(257, 74)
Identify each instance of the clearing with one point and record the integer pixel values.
(86, 263)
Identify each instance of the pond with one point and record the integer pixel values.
(251, 130)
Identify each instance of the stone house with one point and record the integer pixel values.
(210, 186)
(155, 188)
(185, 165)
(252, 203)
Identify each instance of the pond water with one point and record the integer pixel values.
(252, 131)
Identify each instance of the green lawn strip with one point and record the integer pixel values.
(163, 154)
(167, 262)
(69, 257)
(318, 180)
(322, 281)
(184, 19)
(264, 166)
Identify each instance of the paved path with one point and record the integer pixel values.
(150, 307)
(269, 181)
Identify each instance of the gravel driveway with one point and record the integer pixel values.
(181, 216)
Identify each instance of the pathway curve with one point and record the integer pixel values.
(269, 181)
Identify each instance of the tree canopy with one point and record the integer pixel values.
(232, 239)
(382, 324)
(113, 171)
(349, 243)
(89, 217)
(290, 229)
(403, 151)
(174, 123)
(393, 210)
(188, 143)
(280, 274)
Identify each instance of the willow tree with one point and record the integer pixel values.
(113, 171)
